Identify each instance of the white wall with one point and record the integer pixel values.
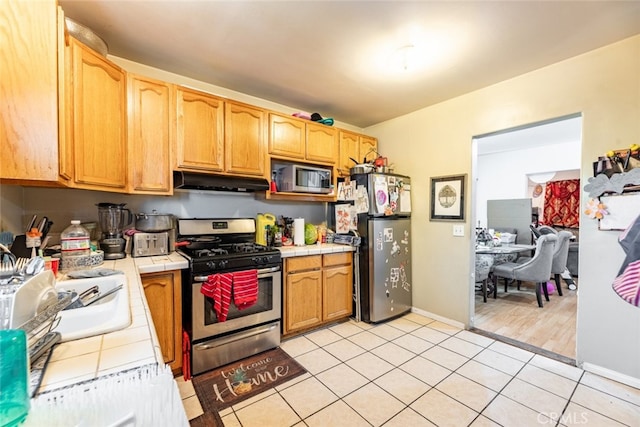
(602, 85)
(11, 199)
(504, 175)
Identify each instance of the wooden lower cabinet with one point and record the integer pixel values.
(317, 290)
(164, 296)
(337, 292)
(303, 300)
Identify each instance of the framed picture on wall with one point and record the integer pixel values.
(447, 198)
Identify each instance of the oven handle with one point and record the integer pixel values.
(262, 273)
(228, 340)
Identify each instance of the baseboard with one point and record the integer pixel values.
(612, 375)
(434, 316)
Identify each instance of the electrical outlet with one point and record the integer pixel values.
(458, 230)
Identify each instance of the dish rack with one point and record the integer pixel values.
(42, 323)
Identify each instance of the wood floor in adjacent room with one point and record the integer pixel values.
(516, 315)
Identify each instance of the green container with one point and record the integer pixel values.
(14, 377)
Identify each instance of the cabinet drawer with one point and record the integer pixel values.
(341, 258)
(303, 263)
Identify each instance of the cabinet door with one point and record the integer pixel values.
(199, 132)
(164, 297)
(65, 104)
(99, 126)
(303, 300)
(322, 143)
(368, 148)
(29, 91)
(286, 136)
(149, 136)
(337, 292)
(244, 136)
(348, 150)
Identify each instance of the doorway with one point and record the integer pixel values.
(516, 164)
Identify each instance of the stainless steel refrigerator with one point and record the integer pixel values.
(385, 252)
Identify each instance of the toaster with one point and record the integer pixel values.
(150, 244)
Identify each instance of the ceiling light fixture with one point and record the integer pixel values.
(405, 57)
(541, 178)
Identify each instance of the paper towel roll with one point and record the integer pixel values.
(298, 231)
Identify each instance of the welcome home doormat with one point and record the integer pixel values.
(232, 383)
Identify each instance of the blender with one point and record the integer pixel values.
(113, 218)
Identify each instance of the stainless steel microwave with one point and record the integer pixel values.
(303, 179)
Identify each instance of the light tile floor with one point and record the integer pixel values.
(415, 371)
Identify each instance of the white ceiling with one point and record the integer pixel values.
(333, 57)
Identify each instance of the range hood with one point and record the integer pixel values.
(201, 181)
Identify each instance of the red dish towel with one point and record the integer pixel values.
(245, 288)
(186, 356)
(218, 287)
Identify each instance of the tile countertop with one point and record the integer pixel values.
(135, 346)
(325, 248)
(85, 359)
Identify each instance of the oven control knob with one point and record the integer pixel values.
(265, 259)
(223, 263)
(255, 259)
(211, 264)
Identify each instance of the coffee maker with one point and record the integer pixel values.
(113, 218)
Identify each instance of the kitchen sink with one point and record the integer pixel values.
(108, 314)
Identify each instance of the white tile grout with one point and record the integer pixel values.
(325, 337)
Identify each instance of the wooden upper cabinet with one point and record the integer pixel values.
(299, 139)
(349, 149)
(199, 144)
(286, 136)
(99, 122)
(367, 148)
(150, 119)
(361, 148)
(244, 136)
(29, 91)
(322, 143)
(65, 104)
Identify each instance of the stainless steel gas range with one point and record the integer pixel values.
(225, 263)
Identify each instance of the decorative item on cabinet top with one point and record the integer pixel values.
(199, 181)
(86, 36)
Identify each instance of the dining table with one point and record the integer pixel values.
(504, 249)
(499, 255)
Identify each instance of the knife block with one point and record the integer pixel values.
(19, 247)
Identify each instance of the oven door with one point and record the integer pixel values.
(268, 307)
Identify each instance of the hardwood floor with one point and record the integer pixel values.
(516, 315)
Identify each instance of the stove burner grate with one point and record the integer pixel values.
(247, 248)
(210, 252)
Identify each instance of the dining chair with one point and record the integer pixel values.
(564, 274)
(536, 270)
(484, 262)
(560, 255)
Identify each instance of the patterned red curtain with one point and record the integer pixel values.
(562, 203)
